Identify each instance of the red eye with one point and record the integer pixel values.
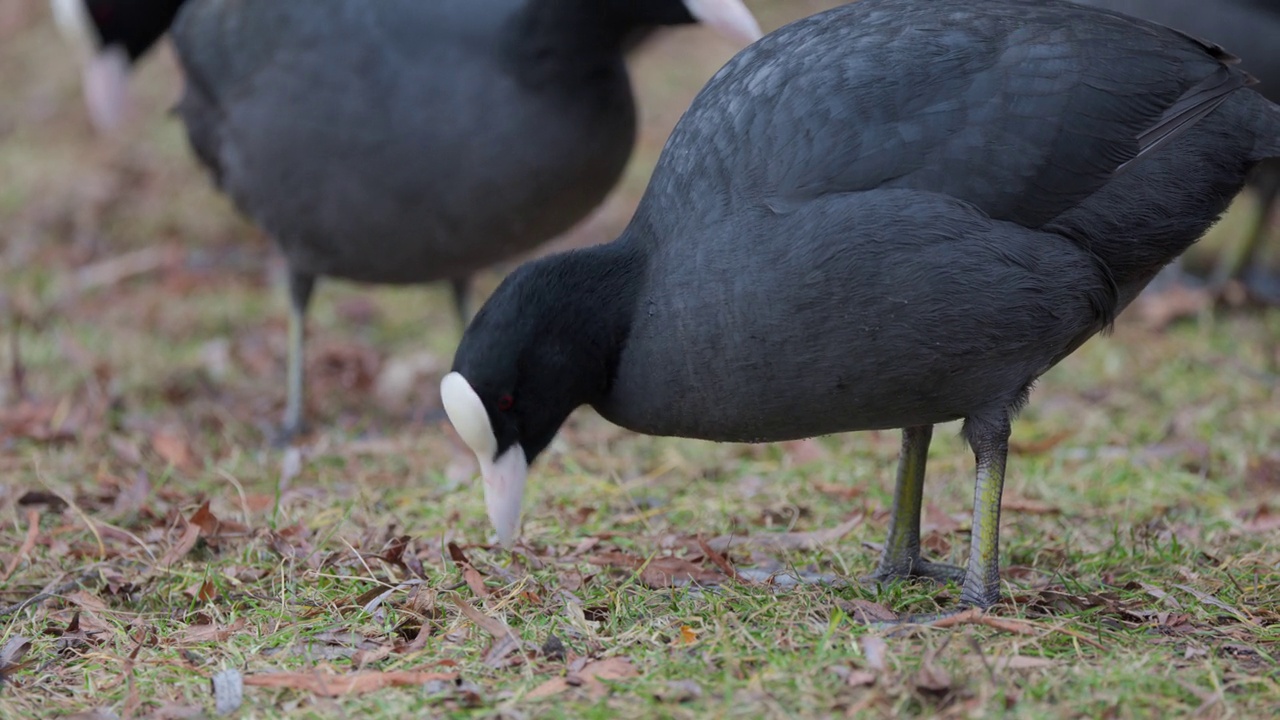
(506, 402)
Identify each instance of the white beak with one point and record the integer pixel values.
(504, 491)
(504, 475)
(730, 17)
(104, 71)
(106, 89)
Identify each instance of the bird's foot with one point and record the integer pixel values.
(916, 568)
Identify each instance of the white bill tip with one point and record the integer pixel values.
(504, 475)
(730, 17)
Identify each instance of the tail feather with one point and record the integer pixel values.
(1198, 102)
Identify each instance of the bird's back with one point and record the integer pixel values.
(895, 212)
(1025, 109)
(1248, 29)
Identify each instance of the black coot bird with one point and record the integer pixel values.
(403, 141)
(112, 35)
(890, 215)
(1251, 30)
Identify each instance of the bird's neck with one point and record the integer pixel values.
(597, 290)
(134, 25)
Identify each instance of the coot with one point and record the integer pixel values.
(111, 36)
(403, 141)
(1251, 29)
(892, 214)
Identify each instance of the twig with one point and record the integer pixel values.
(48, 592)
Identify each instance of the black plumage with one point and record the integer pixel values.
(402, 141)
(892, 214)
(1250, 29)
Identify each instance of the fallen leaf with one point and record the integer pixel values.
(866, 612)
(1159, 310)
(1263, 521)
(1039, 446)
(787, 541)
(860, 678)
(590, 677)
(803, 452)
(184, 545)
(11, 657)
(87, 602)
(718, 560)
(660, 572)
(207, 633)
(1208, 599)
(350, 366)
(475, 580)
(930, 678)
(212, 527)
(679, 691)
(326, 684)
(1263, 474)
(173, 448)
(874, 649)
(506, 641)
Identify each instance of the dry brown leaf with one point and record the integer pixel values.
(326, 684)
(208, 633)
(184, 545)
(173, 448)
(867, 612)
(678, 691)
(860, 678)
(36, 422)
(589, 677)
(1159, 310)
(1263, 521)
(687, 635)
(787, 541)
(874, 649)
(1039, 446)
(930, 678)
(11, 656)
(660, 572)
(718, 560)
(505, 639)
(803, 452)
(85, 601)
(212, 527)
(1024, 662)
(475, 580)
(670, 571)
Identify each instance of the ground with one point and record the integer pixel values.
(154, 547)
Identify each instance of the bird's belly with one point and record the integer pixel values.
(385, 199)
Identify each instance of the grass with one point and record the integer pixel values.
(1141, 561)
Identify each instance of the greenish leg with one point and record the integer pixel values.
(300, 289)
(990, 442)
(462, 299)
(901, 557)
